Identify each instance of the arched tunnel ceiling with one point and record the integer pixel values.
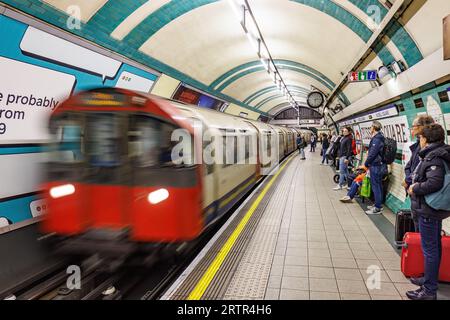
(201, 42)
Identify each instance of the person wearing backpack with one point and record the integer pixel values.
(430, 190)
(418, 124)
(376, 167)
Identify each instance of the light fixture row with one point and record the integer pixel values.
(248, 23)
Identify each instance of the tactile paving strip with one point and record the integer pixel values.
(252, 275)
(222, 279)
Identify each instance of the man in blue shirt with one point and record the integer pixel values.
(377, 167)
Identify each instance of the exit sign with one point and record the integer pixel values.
(367, 75)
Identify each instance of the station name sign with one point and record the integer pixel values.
(362, 76)
(390, 111)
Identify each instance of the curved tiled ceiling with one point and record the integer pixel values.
(201, 42)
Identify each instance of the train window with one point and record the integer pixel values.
(68, 133)
(229, 140)
(149, 141)
(103, 139)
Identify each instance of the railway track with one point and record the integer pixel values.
(98, 282)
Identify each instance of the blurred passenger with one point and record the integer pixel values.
(301, 144)
(419, 123)
(325, 146)
(428, 178)
(376, 166)
(345, 154)
(313, 143)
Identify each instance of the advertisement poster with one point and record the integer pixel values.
(396, 128)
(28, 95)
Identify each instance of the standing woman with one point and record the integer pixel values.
(345, 154)
(418, 124)
(325, 146)
(428, 178)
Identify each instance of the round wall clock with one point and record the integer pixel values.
(315, 99)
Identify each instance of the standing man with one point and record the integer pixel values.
(313, 143)
(345, 154)
(325, 146)
(376, 167)
(301, 144)
(418, 124)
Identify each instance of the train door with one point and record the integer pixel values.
(107, 175)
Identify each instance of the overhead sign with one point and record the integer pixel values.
(361, 76)
(28, 94)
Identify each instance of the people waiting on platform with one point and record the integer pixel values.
(418, 124)
(428, 178)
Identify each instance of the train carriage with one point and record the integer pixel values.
(112, 175)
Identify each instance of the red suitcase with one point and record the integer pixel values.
(412, 261)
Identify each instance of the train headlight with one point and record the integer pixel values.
(62, 191)
(158, 196)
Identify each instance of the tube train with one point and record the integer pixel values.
(111, 183)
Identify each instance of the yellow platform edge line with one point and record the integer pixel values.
(206, 279)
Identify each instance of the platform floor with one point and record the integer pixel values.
(305, 245)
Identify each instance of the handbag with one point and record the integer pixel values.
(366, 188)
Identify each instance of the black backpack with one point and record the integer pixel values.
(389, 150)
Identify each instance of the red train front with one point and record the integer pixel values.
(111, 174)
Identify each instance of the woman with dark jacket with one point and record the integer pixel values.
(428, 178)
(345, 154)
(418, 124)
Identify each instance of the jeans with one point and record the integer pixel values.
(313, 148)
(376, 181)
(343, 171)
(324, 157)
(430, 233)
(302, 152)
(354, 189)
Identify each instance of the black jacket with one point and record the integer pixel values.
(412, 163)
(325, 143)
(428, 178)
(345, 149)
(376, 147)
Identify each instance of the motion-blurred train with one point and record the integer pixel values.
(111, 182)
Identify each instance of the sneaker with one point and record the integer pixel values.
(338, 187)
(372, 207)
(374, 211)
(420, 294)
(346, 199)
